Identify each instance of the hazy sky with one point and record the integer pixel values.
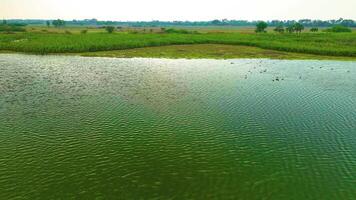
(146, 10)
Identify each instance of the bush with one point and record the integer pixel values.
(67, 32)
(11, 28)
(339, 29)
(172, 30)
(110, 29)
(17, 24)
(314, 29)
(279, 29)
(84, 31)
(261, 26)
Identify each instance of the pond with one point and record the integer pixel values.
(83, 128)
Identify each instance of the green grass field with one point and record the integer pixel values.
(52, 41)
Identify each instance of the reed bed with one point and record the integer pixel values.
(331, 44)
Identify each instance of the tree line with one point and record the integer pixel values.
(11, 27)
(216, 22)
(298, 28)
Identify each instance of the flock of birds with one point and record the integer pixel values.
(278, 78)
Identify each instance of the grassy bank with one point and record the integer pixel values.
(215, 51)
(326, 44)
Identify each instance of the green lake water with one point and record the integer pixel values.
(104, 128)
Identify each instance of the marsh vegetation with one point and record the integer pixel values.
(330, 44)
(288, 37)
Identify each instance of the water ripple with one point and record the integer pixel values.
(73, 127)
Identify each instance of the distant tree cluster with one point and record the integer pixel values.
(297, 28)
(224, 22)
(314, 23)
(11, 27)
(293, 28)
(58, 23)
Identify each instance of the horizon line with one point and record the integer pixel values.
(252, 20)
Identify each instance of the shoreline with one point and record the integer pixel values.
(199, 51)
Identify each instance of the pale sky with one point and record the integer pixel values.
(194, 10)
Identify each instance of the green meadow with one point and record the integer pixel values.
(50, 41)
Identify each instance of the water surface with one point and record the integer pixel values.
(84, 128)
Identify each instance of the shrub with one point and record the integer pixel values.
(67, 32)
(314, 29)
(84, 31)
(339, 29)
(172, 30)
(279, 29)
(110, 29)
(11, 28)
(261, 26)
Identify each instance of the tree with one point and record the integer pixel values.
(298, 27)
(4, 22)
(314, 29)
(216, 22)
(48, 23)
(279, 29)
(110, 29)
(347, 22)
(290, 29)
(261, 26)
(58, 23)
